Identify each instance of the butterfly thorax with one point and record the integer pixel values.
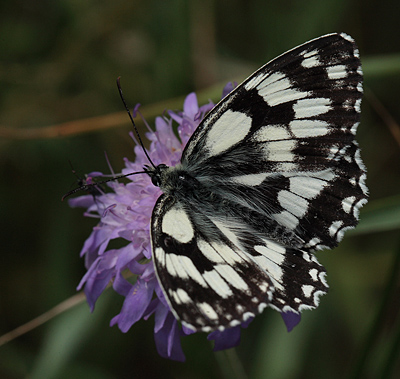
(207, 205)
(178, 183)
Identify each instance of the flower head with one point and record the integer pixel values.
(124, 213)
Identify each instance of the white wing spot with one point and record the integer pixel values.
(306, 108)
(317, 295)
(313, 243)
(264, 80)
(256, 80)
(271, 260)
(309, 128)
(333, 229)
(218, 284)
(176, 224)
(228, 255)
(280, 151)
(353, 129)
(183, 267)
(306, 186)
(264, 286)
(170, 261)
(209, 251)
(322, 278)
(239, 308)
(342, 231)
(277, 89)
(248, 315)
(293, 203)
(180, 296)
(347, 37)
(286, 219)
(232, 277)
(271, 133)
(333, 152)
(227, 131)
(336, 72)
(307, 290)
(314, 274)
(357, 106)
(311, 59)
(348, 203)
(251, 179)
(208, 311)
(232, 324)
(160, 256)
(356, 209)
(261, 307)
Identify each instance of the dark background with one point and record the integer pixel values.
(58, 63)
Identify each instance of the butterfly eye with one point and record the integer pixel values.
(155, 180)
(155, 174)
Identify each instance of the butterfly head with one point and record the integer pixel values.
(156, 173)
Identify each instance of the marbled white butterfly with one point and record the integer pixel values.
(271, 174)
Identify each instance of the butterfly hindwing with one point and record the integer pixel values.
(297, 277)
(221, 278)
(208, 282)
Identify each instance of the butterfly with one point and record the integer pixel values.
(272, 174)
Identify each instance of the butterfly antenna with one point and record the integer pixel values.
(133, 122)
(86, 186)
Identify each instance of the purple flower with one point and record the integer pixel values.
(124, 213)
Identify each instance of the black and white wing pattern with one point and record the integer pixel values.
(271, 174)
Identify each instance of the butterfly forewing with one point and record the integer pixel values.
(271, 174)
(284, 140)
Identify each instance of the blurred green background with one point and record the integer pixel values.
(58, 63)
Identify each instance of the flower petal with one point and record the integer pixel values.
(121, 285)
(168, 341)
(161, 315)
(291, 319)
(95, 285)
(191, 106)
(226, 339)
(135, 305)
(228, 88)
(229, 337)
